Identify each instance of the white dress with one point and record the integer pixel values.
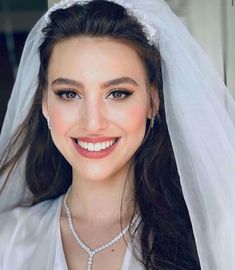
(30, 239)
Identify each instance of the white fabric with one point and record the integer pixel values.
(200, 116)
(216, 36)
(31, 239)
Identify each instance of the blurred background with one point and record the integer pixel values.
(17, 17)
(212, 22)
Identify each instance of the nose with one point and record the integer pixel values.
(94, 118)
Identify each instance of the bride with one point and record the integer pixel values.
(106, 157)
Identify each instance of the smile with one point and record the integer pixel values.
(95, 148)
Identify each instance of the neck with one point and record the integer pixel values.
(102, 201)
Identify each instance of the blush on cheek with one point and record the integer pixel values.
(138, 115)
(133, 118)
(62, 117)
(59, 123)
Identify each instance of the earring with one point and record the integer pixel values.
(152, 122)
(48, 123)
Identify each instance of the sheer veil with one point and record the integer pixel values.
(201, 121)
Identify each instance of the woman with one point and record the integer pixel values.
(101, 170)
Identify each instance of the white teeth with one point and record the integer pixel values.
(95, 146)
(103, 145)
(98, 147)
(91, 146)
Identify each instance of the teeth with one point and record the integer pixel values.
(91, 146)
(103, 145)
(96, 146)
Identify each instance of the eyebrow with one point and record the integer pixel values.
(78, 84)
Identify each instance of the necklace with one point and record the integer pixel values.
(92, 252)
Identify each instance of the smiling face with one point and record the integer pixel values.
(98, 103)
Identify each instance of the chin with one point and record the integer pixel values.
(97, 175)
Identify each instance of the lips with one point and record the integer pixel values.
(95, 147)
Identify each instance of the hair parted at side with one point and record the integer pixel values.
(165, 231)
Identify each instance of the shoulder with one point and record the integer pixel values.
(22, 224)
(20, 216)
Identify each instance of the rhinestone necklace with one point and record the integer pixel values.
(92, 252)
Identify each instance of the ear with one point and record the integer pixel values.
(154, 102)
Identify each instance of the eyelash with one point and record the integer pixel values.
(64, 94)
(127, 93)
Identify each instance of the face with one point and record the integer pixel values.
(98, 103)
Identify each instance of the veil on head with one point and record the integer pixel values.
(200, 115)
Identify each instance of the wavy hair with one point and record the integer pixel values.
(165, 231)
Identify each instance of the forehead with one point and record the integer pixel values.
(96, 58)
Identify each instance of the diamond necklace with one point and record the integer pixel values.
(92, 252)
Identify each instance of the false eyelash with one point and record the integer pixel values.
(127, 93)
(124, 92)
(60, 93)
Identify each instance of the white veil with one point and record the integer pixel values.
(201, 121)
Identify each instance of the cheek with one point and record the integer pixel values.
(61, 117)
(132, 118)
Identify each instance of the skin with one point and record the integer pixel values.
(91, 111)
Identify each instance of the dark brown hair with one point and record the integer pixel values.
(165, 231)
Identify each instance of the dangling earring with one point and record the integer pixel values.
(48, 123)
(152, 122)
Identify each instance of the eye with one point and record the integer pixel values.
(67, 94)
(119, 94)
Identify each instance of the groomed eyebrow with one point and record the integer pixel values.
(78, 84)
(121, 80)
